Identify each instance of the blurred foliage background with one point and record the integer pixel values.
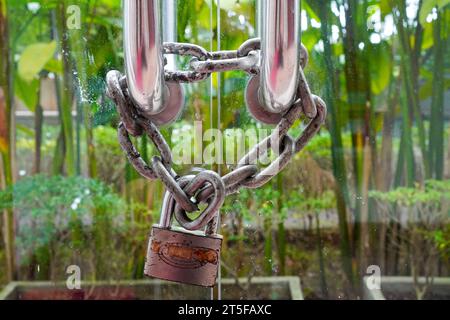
(371, 188)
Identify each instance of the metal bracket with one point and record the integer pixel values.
(280, 54)
(144, 63)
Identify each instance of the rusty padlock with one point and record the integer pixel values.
(179, 255)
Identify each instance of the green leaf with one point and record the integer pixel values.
(34, 58)
(426, 90)
(311, 37)
(311, 8)
(231, 4)
(27, 131)
(428, 6)
(113, 4)
(54, 65)
(338, 49)
(428, 39)
(27, 91)
(381, 71)
(385, 7)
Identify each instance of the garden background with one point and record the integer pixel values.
(372, 188)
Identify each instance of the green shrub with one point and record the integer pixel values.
(433, 192)
(109, 156)
(423, 214)
(62, 221)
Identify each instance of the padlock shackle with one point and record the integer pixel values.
(165, 220)
(168, 205)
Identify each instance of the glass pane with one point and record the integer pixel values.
(362, 212)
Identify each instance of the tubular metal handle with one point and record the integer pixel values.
(144, 63)
(280, 51)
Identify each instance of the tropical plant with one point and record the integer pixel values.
(380, 65)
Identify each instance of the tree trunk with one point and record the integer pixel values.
(407, 67)
(359, 115)
(384, 176)
(65, 90)
(268, 260)
(6, 140)
(38, 121)
(84, 116)
(337, 150)
(323, 279)
(405, 163)
(365, 245)
(281, 234)
(436, 135)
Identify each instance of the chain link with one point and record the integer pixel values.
(214, 203)
(203, 63)
(117, 92)
(207, 186)
(190, 50)
(247, 63)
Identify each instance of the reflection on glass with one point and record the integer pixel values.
(366, 202)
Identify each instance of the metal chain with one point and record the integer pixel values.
(207, 186)
(203, 63)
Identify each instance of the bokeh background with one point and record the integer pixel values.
(372, 188)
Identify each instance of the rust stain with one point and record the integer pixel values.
(174, 250)
(155, 247)
(207, 255)
(179, 252)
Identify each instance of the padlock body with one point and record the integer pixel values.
(182, 256)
